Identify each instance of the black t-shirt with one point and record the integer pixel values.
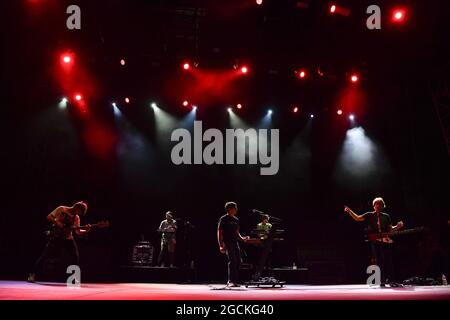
(372, 221)
(230, 228)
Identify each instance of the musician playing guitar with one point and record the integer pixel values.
(379, 222)
(65, 220)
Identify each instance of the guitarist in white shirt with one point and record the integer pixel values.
(63, 219)
(379, 222)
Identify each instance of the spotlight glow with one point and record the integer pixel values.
(398, 15)
(259, 2)
(127, 100)
(239, 106)
(354, 78)
(194, 108)
(122, 62)
(311, 116)
(269, 112)
(185, 103)
(186, 66)
(295, 110)
(63, 103)
(78, 97)
(67, 59)
(333, 8)
(339, 112)
(244, 70)
(154, 105)
(229, 109)
(351, 117)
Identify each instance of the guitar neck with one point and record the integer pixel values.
(400, 232)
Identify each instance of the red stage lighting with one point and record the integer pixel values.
(339, 112)
(239, 106)
(186, 66)
(398, 15)
(244, 69)
(333, 8)
(295, 110)
(67, 58)
(354, 78)
(259, 2)
(302, 74)
(78, 97)
(122, 62)
(127, 100)
(185, 103)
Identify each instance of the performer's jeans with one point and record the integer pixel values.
(58, 248)
(383, 255)
(167, 248)
(234, 261)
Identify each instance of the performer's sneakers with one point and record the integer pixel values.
(232, 285)
(31, 277)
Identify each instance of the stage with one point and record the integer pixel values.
(19, 290)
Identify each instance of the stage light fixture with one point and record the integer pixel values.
(398, 15)
(354, 78)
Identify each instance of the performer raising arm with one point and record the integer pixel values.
(379, 222)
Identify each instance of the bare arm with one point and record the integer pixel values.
(241, 237)
(77, 226)
(397, 227)
(53, 217)
(220, 240)
(354, 216)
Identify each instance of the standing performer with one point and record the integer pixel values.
(228, 236)
(264, 226)
(61, 240)
(168, 228)
(265, 234)
(379, 222)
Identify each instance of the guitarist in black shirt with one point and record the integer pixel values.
(379, 222)
(64, 221)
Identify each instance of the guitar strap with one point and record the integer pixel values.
(378, 221)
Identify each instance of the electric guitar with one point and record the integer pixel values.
(385, 236)
(56, 232)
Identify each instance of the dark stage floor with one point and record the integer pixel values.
(17, 290)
